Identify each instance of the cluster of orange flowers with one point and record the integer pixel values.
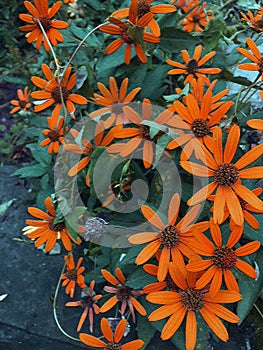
(194, 274)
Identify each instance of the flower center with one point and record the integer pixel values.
(55, 93)
(112, 346)
(226, 175)
(22, 104)
(72, 274)
(193, 299)
(143, 8)
(86, 301)
(260, 63)
(258, 26)
(224, 258)
(192, 66)
(169, 236)
(123, 293)
(56, 227)
(125, 37)
(46, 23)
(196, 18)
(53, 135)
(170, 283)
(117, 108)
(145, 132)
(200, 127)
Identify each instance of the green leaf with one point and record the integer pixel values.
(252, 234)
(249, 288)
(174, 40)
(139, 279)
(152, 86)
(212, 34)
(145, 330)
(35, 170)
(5, 206)
(40, 154)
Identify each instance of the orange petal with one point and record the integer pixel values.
(148, 252)
(152, 217)
(92, 341)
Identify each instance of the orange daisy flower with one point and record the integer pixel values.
(122, 293)
(255, 57)
(193, 67)
(53, 89)
(197, 20)
(168, 283)
(144, 6)
(73, 275)
(86, 149)
(131, 33)
(223, 259)
(113, 339)
(22, 103)
(174, 238)
(227, 176)
(45, 231)
(88, 303)
(113, 101)
(254, 21)
(141, 134)
(189, 301)
(55, 134)
(197, 119)
(42, 13)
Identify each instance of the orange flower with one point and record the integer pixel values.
(87, 148)
(122, 293)
(254, 21)
(192, 67)
(197, 20)
(223, 259)
(88, 303)
(131, 33)
(73, 275)
(42, 13)
(143, 7)
(227, 176)
(45, 230)
(113, 339)
(114, 101)
(173, 237)
(168, 283)
(141, 134)
(198, 119)
(23, 101)
(52, 90)
(54, 134)
(254, 57)
(189, 301)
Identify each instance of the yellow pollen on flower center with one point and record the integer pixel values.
(143, 8)
(169, 236)
(72, 275)
(224, 258)
(123, 293)
(112, 346)
(55, 93)
(200, 127)
(192, 66)
(192, 299)
(226, 175)
(53, 135)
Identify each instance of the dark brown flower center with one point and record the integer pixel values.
(117, 108)
(72, 275)
(125, 37)
(123, 293)
(196, 18)
(170, 283)
(193, 299)
(22, 104)
(200, 127)
(169, 236)
(258, 26)
(143, 8)
(56, 227)
(86, 301)
(145, 132)
(226, 175)
(260, 63)
(53, 135)
(46, 23)
(224, 257)
(112, 346)
(192, 66)
(55, 93)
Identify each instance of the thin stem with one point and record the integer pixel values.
(55, 303)
(258, 310)
(81, 43)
